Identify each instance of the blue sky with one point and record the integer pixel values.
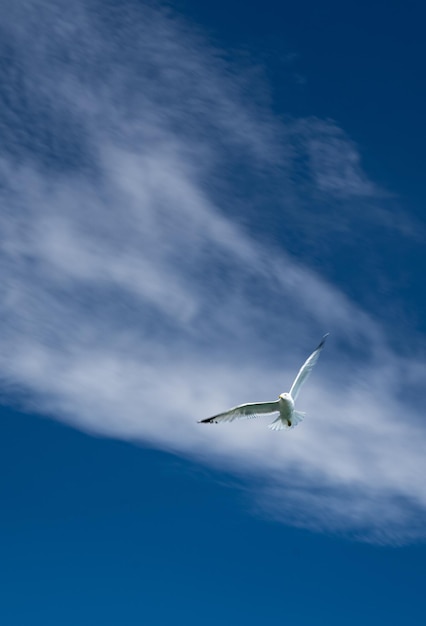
(191, 196)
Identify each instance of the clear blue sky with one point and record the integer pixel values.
(191, 195)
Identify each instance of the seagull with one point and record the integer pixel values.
(288, 417)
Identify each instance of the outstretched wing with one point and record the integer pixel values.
(244, 411)
(306, 369)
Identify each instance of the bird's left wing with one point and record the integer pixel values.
(306, 369)
(244, 411)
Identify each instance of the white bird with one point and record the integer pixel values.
(288, 417)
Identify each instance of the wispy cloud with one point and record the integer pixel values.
(334, 162)
(136, 301)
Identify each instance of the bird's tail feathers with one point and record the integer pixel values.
(278, 423)
(297, 418)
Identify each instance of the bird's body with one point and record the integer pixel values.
(287, 416)
(286, 406)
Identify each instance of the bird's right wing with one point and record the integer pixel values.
(244, 411)
(306, 369)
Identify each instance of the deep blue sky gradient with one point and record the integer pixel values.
(360, 64)
(95, 531)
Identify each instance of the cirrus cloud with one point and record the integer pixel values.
(137, 297)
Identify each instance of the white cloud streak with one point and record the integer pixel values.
(133, 304)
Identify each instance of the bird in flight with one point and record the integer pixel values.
(287, 417)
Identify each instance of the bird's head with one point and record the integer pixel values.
(285, 396)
